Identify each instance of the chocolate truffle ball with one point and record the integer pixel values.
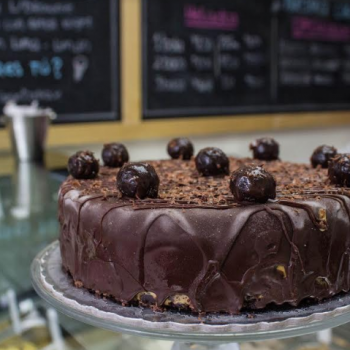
(322, 155)
(83, 165)
(265, 149)
(339, 170)
(252, 184)
(212, 161)
(138, 180)
(180, 148)
(114, 155)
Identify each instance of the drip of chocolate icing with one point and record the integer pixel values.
(195, 240)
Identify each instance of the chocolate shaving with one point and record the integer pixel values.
(182, 187)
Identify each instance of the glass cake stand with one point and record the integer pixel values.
(212, 331)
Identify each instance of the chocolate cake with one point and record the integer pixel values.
(196, 247)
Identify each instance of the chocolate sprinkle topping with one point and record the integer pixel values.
(181, 186)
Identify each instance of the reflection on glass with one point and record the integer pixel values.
(28, 223)
(2, 213)
(31, 194)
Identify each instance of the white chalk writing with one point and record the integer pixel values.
(295, 79)
(78, 24)
(253, 81)
(42, 24)
(323, 79)
(30, 7)
(164, 44)
(69, 45)
(27, 95)
(169, 64)
(294, 63)
(20, 44)
(328, 65)
(14, 25)
(228, 43)
(201, 43)
(164, 84)
(252, 41)
(201, 62)
(254, 59)
(202, 85)
(229, 62)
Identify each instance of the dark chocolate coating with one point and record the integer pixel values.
(180, 148)
(212, 161)
(115, 155)
(83, 165)
(322, 155)
(339, 170)
(138, 180)
(265, 149)
(252, 184)
(196, 247)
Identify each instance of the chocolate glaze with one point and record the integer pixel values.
(194, 241)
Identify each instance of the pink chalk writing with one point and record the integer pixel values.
(304, 28)
(200, 17)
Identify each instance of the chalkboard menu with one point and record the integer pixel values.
(62, 53)
(314, 52)
(204, 57)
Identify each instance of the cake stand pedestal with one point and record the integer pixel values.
(213, 331)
